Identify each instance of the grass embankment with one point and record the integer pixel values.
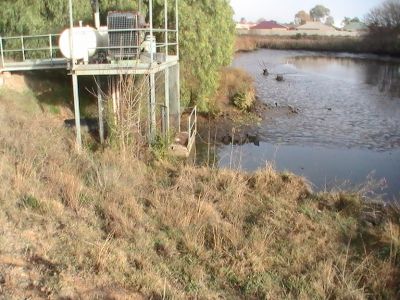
(236, 90)
(377, 45)
(107, 225)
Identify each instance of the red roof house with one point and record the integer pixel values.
(269, 25)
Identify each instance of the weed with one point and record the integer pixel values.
(29, 201)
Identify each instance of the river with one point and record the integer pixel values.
(347, 129)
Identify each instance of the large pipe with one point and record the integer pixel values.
(97, 15)
(71, 40)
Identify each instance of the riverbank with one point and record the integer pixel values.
(237, 111)
(108, 224)
(379, 45)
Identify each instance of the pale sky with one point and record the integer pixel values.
(284, 10)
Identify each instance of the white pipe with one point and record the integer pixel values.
(71, 40)
(166, 27)
(151, 30)
(177, 27)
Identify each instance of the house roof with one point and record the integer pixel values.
(317, 26)
(268, 25)
(355, 26)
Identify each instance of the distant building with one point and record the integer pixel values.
(268, 28)
(316, 27)
(269, 25)
(356, 27)
(244, 27)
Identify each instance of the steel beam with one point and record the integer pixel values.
(75, 87)
(166, 26)
(2, 52)
(101, 110)
(152, 108)
(166, 103)
(177, 26)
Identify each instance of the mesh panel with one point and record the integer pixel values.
(121, 41)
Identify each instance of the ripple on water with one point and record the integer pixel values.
(347, 102)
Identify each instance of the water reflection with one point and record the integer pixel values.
(382, 74)
(349, 120)
(343, 102)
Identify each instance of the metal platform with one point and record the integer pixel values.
(33, 65)
(113, 60)
(125, 67)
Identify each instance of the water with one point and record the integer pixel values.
(348, 125)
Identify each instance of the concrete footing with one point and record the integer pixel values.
(3, 77)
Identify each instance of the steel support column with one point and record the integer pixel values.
(77, 112)
(101, 110)
(152, 109)
(166, 103)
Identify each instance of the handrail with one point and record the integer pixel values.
(192, 124)
(47, 48)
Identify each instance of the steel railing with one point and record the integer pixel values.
(192, 126)
(17, 49)
(44, 46)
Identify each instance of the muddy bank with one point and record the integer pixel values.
(236, 127)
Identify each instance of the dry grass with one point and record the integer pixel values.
(105, 226)
(317, 43)
(236, 89)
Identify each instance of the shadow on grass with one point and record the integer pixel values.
(53, 90)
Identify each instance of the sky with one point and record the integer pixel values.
(283, 11)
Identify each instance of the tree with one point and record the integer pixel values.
(330, 21)
(319, 12)
(346, 21)
(301, 18)
(385, 17)
(260, 20)
(383, 23)
(207, 35)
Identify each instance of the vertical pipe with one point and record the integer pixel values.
(97, 15)
(118, 97)
(166, 27)
(152, 107)
(77, 112)
(23, 48)
(178, 94)
(100, 107)
(189, 127)
(71, 40)
(2, 52)
(166, 102)
(114, 99)
(177, 27)
(51, 47)
(151, 30)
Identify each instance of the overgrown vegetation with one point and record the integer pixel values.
(365, 44)
(384, 25)
(106, 225)
(207, 33)
(238, 86)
